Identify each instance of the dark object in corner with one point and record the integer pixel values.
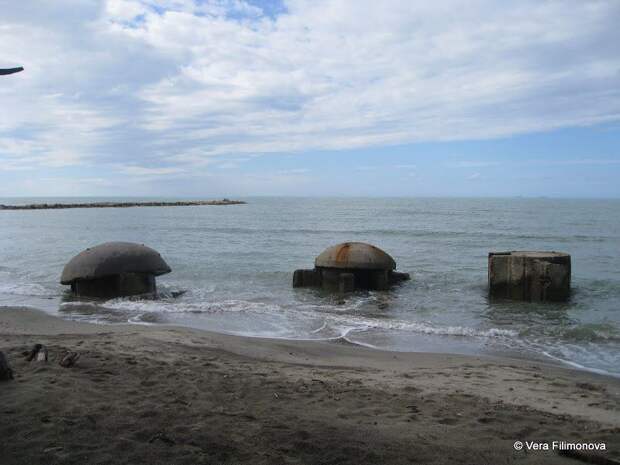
(11, 70)
(6, 373)
(69, 359)
(38, 353)
(587, 457)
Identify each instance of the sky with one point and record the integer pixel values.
(237, 98)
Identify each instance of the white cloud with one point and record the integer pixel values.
(472, 164)
(149, 83)
(146, 171)
(582, 161)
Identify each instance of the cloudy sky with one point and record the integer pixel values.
(209, 98)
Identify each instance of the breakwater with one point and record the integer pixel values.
(55, 206)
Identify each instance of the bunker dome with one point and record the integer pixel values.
(114, 269)
(349, 266)
(355, 256)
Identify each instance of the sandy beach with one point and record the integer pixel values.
(170, 395)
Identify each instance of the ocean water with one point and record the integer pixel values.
(235, 264)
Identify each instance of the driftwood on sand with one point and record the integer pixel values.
(56, 206)
(69, 359)
(37, 353)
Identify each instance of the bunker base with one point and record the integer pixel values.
(121, 285)
(347, 280)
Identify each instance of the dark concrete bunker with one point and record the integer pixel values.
(349, 266)
(530, 276)
(114, 269)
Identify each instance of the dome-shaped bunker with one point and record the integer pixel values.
(349, 266)
(355, 255)
(114, 269)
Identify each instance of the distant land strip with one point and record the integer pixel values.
(56, 206)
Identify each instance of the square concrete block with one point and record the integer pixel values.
(530, 276)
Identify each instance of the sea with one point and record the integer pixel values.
(232, 269)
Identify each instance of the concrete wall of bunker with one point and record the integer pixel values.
(120, 285)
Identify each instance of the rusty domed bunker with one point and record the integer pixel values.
(349, 266)
(114, 269)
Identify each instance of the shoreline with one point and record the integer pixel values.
(542, 357)
(51, 325)
(58, 206)
(507, 354)
(167, 394)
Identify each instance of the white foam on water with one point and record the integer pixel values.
(26, 289)
(580, 366)
(341, 322)
(321, 322)
(136, 320)
(173, 306)
(79, 303)
(363, 344)
(364, 323)
(321, 328)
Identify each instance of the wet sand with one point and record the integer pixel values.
(169, 395)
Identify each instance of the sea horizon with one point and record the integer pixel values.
(3, 199)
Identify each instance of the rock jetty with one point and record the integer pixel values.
(55, 206)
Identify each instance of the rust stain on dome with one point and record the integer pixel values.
(355, 255)
(342, 255)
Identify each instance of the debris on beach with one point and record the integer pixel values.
(6, 373)
(349, 266)
(69, 359)
(163, 438)
(38, 353)
(114, 269)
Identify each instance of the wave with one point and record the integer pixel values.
(579, 366)
(361, 323)
(167, 306)
(591, 333)
(27, 289)
(312, 321)
(343, 320)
